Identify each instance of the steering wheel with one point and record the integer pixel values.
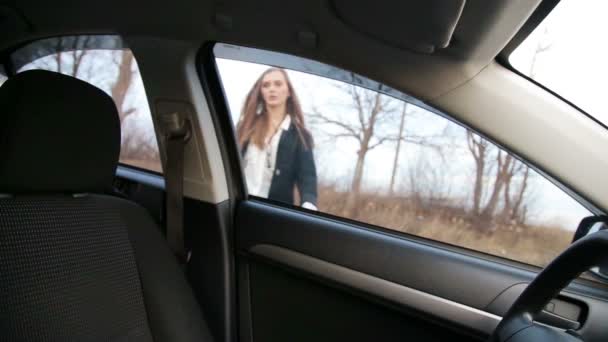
(518, 323)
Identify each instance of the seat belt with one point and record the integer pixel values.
(176, 131)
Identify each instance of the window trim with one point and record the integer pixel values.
(222, 124)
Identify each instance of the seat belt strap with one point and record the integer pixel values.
(176, 130)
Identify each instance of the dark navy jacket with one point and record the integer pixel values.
(295, 166)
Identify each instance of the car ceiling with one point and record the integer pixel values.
(481, 31)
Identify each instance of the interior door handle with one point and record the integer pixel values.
(558, 321)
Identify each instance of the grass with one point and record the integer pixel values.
(535, 245)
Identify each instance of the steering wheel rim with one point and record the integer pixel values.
(518, 323)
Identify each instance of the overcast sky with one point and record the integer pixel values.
(574, 65)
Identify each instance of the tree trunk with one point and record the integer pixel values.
(368, 133)
(122, 84)
(78, 54)
(353, 195)
(515, 214)
(489, 209)
(356, 185)
(478, 187)
(478, 152)
(77, 57)
(507, 209)
(59, 61)
(396, 160)
(502, 172)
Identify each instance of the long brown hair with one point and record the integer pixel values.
(253, 128)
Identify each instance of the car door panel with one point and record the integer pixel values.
(377, 254)
(291, 262)
(292, 307)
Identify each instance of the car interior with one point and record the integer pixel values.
(127, 211)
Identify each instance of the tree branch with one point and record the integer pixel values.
(357, 98)
(324, 119)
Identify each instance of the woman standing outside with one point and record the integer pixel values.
(275, 144)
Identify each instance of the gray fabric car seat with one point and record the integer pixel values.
(77, 265)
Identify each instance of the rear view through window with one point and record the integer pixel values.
(104, 62)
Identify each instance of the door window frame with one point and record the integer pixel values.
(214, 90)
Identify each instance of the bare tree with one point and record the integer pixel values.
(135, 144)
(544, 44)
(370, 128)
(398, 149)
(429, 184)
(479, 151)
(78, 54)
(514, 210)
(124, 60)
(369, 106)
(70, 55)
(506, 168)
(503, 175)
(506, 211)
(519, 210)
(59, 61)
(66, 56)
(503, 171)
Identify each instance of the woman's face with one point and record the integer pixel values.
(274, 89)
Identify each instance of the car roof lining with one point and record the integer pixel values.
(481, 33)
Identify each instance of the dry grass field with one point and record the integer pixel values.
(536, 245)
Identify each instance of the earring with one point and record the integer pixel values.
(259, 108)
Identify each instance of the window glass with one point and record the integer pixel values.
(113, 70)
(566, 53)
(357, 153)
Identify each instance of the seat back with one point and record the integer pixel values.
(77, 265)
(67, 265)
